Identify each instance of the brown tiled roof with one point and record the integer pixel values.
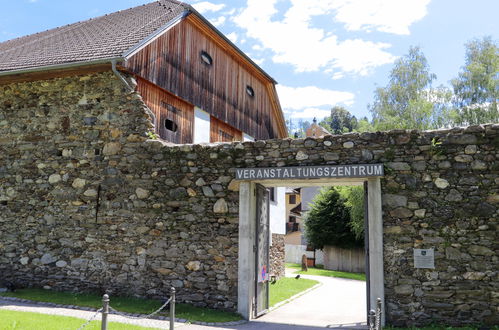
(105, 37)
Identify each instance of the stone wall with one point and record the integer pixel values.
(277, 266)
(87, 202)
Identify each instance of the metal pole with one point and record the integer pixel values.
(172, 309)
(371, 320)
(105, 311)
(378, 314)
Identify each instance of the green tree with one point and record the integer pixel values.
(340, 121)
(291, 127)
(476, 88)
(302, 127)
(364, 125)
(327, 223)
(408, 101)
(354, 200)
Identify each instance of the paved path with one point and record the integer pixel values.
(337, 304)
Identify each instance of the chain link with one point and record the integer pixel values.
(140, 317)
(372, 320)
(90, 320)
(378, 315)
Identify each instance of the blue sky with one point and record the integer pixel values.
(322, 52)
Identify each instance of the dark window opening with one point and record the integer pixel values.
(96, 152)
(206, 58)
(292, 199)
(272, 194)
(250, 91)
(3, 203)
(171, 125)
(292, 219)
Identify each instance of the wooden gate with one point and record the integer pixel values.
(261, 303)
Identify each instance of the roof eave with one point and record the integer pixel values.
(61, 66)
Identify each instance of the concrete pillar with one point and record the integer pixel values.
(377, 286)
(246, 262)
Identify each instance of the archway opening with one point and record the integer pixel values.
(248, 274)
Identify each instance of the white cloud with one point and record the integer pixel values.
(296, 98)
(206, 6)
(233, 37)
(257, 47)
(218, 21)
(391, 16)
(294, 41)
(229, 12)
(310, 113)
(258, 61)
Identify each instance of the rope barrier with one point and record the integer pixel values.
(141, 317)
(90, 320)
(107, 309)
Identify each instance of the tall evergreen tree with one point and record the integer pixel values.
(340, 121)
(328, 222)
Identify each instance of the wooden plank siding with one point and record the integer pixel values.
(173, 62)
(221, 132)
(168, 107)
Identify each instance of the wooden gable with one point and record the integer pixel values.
(220, 82)
(174, 117)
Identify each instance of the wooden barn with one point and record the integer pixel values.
(198, 84)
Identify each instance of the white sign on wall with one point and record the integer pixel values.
(424, 258)
(311, 172)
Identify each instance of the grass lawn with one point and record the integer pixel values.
(11, 320)
(287, 287)
(325, 272)
(124, 304)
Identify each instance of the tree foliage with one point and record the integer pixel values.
(408, 101)
(328, 222)
(476, 89)
(354, 200)
(340, 121)
(297, 129)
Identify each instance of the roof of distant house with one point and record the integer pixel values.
(316, 130)
(101, 39)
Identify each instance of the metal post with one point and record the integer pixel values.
(378, 314)
(172, 309)
(105, 311)
(371, 320)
